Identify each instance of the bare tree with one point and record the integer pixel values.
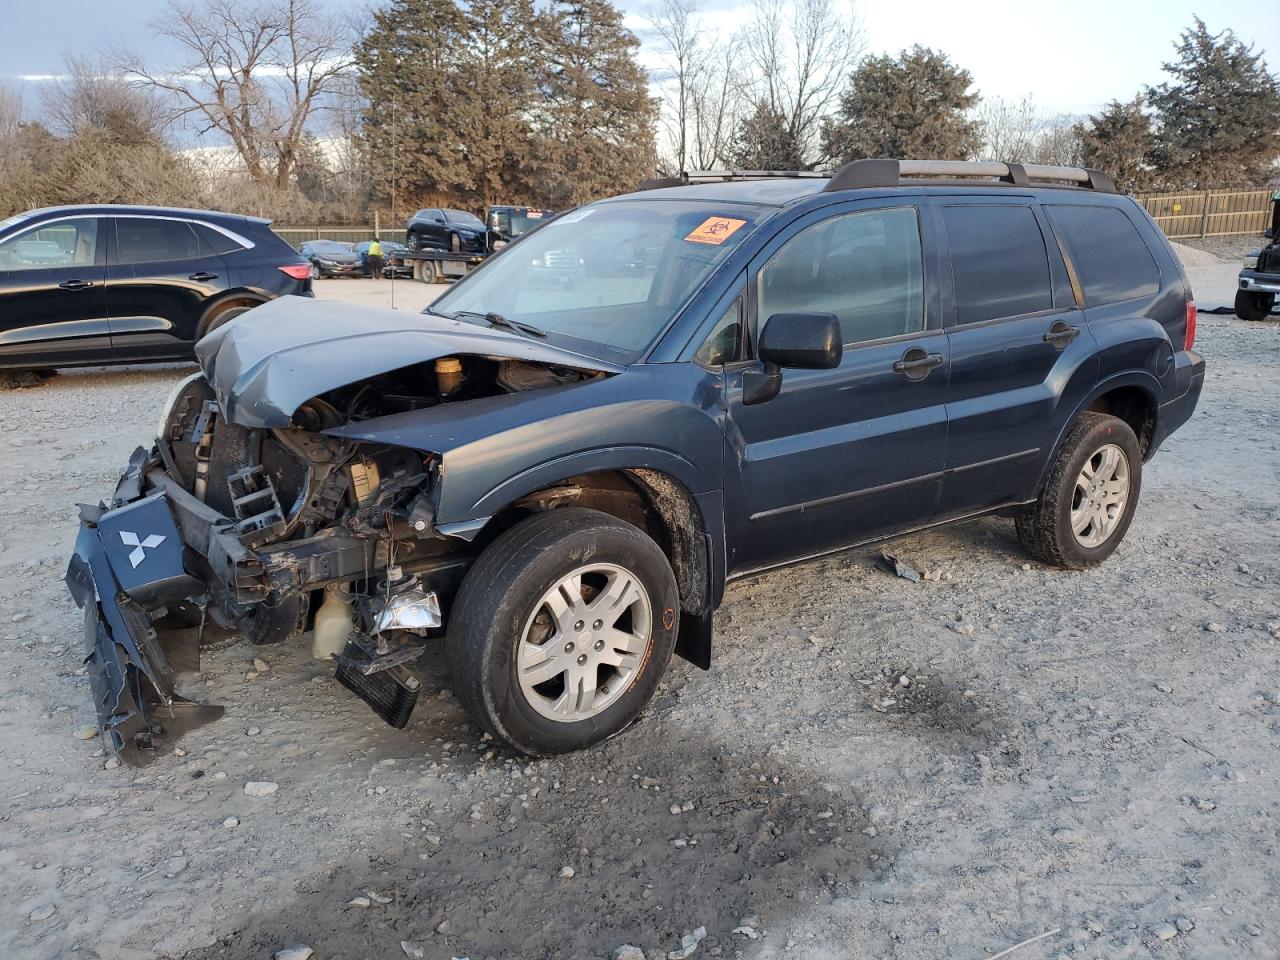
(90, 98)
(800, 52)
(1022, 132)
(255, 72)
(10, 117)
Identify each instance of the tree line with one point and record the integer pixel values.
(468, 102)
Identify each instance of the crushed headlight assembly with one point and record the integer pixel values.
(1251, 260)
(171, 401)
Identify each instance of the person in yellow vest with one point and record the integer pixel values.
(375, 259)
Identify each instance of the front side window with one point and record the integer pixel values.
(724, 345)
(866, 268)
(609, 275)
(64, 243)
(140, 240)
(464, 219)
(999, 264)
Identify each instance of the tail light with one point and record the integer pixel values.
(1191, 325)
(299, 271)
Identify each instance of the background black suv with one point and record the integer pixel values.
(101, 284)
(436, 228)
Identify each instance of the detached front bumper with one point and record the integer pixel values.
(128, 566)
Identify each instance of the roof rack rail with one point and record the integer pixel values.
(686, 177)
(891, 173)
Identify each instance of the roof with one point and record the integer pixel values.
(774, 191)
(123, 209)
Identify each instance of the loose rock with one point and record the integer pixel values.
(231, 822)
(1166, 931)
(86, 732)
(43, 912)
(627, 952)
(260, 788)
(412, 949)
(566, 873)
(299, 951)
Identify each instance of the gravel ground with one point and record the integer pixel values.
(1231, 249)
(1092, 754)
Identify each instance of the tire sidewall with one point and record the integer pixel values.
(505, 703)
(1108, 430)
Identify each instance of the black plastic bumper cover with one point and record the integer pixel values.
(127, 563)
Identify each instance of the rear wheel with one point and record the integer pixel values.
(562, 630)
(315, 272)
(225, 315)
(1089, 499)
(1254, 306)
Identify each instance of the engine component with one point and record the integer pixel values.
(334, 622)
(364, 481)
(256, 506)
(391, 693)
(448, 375)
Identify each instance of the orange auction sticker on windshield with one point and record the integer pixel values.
(715, 230)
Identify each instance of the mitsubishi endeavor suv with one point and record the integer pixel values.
(550, 486)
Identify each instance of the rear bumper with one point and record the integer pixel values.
(1255, 282)
(1189, 377)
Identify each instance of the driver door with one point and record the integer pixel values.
(53, 301)
(849, 454)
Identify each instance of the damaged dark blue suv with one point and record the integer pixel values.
(550, 483)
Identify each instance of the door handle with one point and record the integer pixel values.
(76, 284)
(203, 277)
(916, 363)
(1061, 334)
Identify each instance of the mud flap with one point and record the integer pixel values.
(693, 642)
(129, 664)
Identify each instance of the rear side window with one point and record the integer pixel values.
(213, 242)
(1109, 254)
(141, 240)
(998, 262)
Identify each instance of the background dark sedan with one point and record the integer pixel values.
(392, 265)
(439, 228)
(108, 283)
(332, 258)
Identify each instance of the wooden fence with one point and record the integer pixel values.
(1209, 213)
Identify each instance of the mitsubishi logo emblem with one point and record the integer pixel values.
(140, 547)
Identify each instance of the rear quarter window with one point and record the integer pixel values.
(999, 264)
(1110, 256)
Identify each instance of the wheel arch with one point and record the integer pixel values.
(243, 297)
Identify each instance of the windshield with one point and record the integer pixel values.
(611, 274)
(465, 219)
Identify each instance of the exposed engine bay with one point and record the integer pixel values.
(269, 531)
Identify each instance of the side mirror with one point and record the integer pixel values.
(1269, 233)
(804, 341)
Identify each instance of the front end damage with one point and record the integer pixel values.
(269, 522)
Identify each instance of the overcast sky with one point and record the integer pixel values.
(1070, 57)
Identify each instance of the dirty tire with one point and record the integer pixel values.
(1254, 306)
(1045, 529)
(502, 592)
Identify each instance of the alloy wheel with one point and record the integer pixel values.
(585, 642)
(1101, 495)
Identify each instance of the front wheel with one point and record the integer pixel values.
(1254, 306)
(1090, 497)
(562, 630)
(455, 243)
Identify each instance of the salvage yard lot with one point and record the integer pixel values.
(1096, 753)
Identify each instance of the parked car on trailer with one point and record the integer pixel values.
(551, 487)
(442, 228)
(332, 258)
(1260, 278)
(125, 284)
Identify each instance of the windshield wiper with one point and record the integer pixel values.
(498, 320)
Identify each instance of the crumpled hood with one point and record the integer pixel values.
(266, 363)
